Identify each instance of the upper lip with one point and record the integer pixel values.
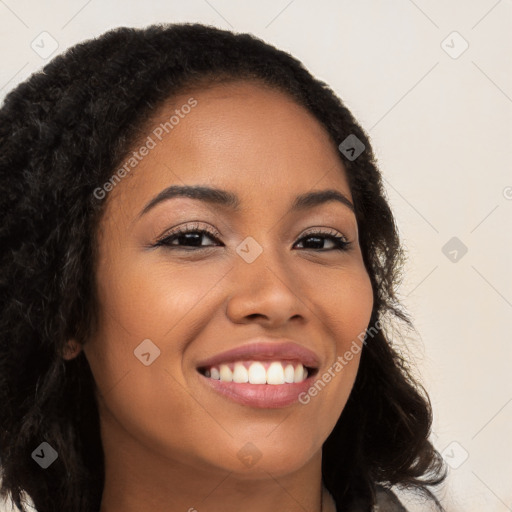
(263, 349)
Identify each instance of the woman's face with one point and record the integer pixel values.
(264, 282)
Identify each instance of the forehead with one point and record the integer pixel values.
(241, 136)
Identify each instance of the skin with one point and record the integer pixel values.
(170, 442)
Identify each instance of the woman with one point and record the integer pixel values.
(198, 268)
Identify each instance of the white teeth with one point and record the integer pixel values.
(299, 373)
(276, 374)
(226, 374)
(289, 374)
(257, 374)
(240, 373)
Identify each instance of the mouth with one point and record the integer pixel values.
(261, 372)
(262, 375)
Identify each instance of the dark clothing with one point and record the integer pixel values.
(386, 502)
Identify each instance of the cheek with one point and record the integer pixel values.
(152, 295)
(139, 303)
(346, 311)
(345, 304)
(355, 304)
(148, 400)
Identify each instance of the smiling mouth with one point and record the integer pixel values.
(259, 372)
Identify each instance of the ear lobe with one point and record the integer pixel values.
(71, 349)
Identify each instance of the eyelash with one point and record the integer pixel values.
(341, 244)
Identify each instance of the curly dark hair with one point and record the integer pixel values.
(63, 131)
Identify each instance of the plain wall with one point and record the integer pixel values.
(441, 127)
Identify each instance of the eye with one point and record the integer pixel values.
(189, 237)
(339, 242)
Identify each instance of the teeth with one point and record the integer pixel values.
(225, 374)
(255, 373)
(275, 374)
(298, 373)
(289, 374)
(240, 374)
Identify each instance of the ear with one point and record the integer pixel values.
(71, 349)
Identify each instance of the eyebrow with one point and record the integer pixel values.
(231, 201)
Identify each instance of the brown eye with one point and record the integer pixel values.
(190, 238)
(187, 236)
(316, 239)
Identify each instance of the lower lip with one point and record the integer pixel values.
(263, 396)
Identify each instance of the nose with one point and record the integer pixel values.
(265, 292)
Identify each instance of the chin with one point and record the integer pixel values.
(264, 456)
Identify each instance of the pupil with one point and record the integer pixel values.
(195, 238)
(318, 241)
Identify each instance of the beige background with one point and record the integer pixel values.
(441, 128)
